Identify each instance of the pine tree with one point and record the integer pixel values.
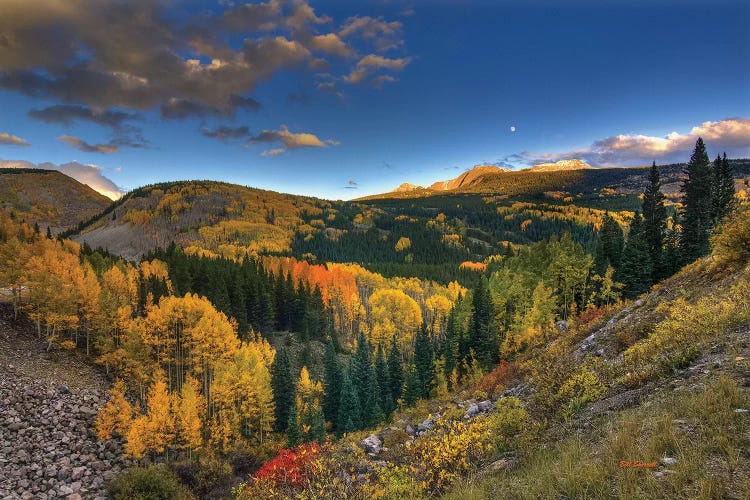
(697, 212)
(317, 426)
(654, 222)
(636, 268)
(395, 372)
(361, 374)
(723, 189)
(332, 382)
(284, 388)
(609, 245)
(348, 419)
(384, 383)
(293, 436)
(482, 338)
(413, 386)
(424, 361)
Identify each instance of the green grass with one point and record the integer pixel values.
(712, 447)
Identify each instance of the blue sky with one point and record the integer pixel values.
(353, 98)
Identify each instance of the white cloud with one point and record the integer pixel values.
(89, 174)
(731, 135)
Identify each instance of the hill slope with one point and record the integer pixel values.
(48, 198)
(205, 213)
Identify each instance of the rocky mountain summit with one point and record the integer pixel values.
(48, 402)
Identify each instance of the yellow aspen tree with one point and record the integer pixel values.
(159, 429)
(309, 398)
(115, 417)
(191, 408)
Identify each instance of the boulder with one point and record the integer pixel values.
(372, 444)
(472, 411)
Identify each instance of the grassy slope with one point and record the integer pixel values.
(688, 412)
(48, 198)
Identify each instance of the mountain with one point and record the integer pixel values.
(48, 198)
(407, 188)
(560, 165)
(466, 179)
(567, 178)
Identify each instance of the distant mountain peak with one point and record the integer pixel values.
(466, 178)
(574, 164)
(407, 187)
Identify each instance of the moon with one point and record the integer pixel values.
(513, 128)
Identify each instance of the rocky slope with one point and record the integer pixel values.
(48, 402)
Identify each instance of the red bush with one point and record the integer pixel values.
(290, 467)
(498, 378)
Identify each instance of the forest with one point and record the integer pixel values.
(275, 354)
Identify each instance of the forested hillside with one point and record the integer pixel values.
(48, 198)
(244, 349)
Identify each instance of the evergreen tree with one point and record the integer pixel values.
(332, 382)
(424, 360)
(49, 233)
(481, 337)
(722, 189)
(697, 201)
(413, 386)
(376, 414)
(284, 387)
(395, 372)
(317, 430)
(361, 375)
(636, 268)
(654, 222)
(349, 410)
(384, 383)
(293, 436)
(609, 245)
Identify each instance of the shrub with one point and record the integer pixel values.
(510, 419)
(731, 242)
(496, 380)
(155, 482)
(444, 456)
(579, 390)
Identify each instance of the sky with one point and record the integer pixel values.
(341, 99)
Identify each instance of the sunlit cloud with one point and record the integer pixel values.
(731, 135)
(373, 63)
(7, 139)
(84, 146)
(289, 140)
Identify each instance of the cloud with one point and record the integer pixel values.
(372, 63)
(178, 62)
(351, 184)
(86, 147)
(289, 140)
(226, 133)
(89, 174)
(331, 44)
(68, 113)
(7, 139)
(731, 135)
(382, 34)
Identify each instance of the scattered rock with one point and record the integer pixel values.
(372, 444)
(668, 461)
(499, 465)
(472, 411)
(426, 425)
(741, 410)
(411, 431)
